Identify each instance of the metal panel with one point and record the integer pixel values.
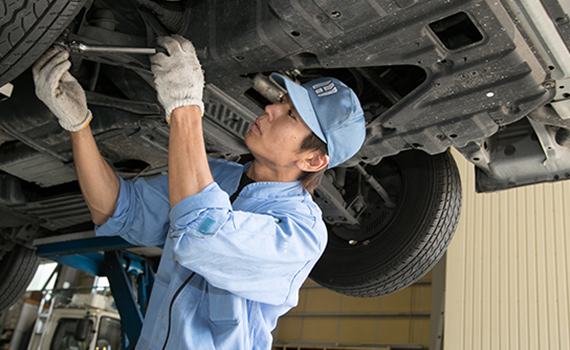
(508, 268)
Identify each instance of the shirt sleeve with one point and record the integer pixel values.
(141, 212)
(255, 256)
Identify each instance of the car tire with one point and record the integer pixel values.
(19, 266)
(28, 28)
(394, 247)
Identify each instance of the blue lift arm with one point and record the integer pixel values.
(124, 296)
(102, 256)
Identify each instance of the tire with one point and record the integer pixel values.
(28, 28)
(394, 247)
(18, 268)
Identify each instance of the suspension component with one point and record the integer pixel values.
(376, 186)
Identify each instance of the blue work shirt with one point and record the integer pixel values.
(227, 272)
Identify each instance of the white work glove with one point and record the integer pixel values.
(60, 91)
(178, 76)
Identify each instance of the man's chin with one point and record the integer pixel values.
(248, 141)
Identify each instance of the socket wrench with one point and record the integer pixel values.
(79, 47)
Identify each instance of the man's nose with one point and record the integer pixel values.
(271, 111)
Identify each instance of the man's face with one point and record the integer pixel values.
(277, 135)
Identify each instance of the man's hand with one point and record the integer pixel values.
(60, 91)
(178, 76)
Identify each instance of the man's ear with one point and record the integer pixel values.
(313, 161)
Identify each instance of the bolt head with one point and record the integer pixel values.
(549, 84)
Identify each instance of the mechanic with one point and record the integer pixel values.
(228, 269)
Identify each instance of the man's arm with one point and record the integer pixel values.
(256, 256)
(179, 83)
(188, 170)
(63, 95)
(98, 182)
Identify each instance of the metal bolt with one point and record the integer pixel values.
(549, 84)
(352, 242)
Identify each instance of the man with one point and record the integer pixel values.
(230, 266)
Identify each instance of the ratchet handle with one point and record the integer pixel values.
(79, 47)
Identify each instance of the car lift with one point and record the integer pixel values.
(104, 256)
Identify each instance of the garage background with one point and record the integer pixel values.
(508, 268)
(505, 277)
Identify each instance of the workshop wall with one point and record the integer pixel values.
(508, 269)
(324, 317)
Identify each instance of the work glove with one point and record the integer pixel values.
(60, 91)
(178, 77)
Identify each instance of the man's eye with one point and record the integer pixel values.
(290, 113)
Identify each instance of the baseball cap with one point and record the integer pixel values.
(332, 111)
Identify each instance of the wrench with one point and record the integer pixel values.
(79, 47)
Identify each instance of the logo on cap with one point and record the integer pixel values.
(325, 88)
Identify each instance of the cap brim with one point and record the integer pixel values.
(300, 98)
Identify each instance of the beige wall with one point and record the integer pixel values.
(328, 318)
(508, 269)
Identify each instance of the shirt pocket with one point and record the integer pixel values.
(226, 309)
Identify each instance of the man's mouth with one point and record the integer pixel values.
(255, 128)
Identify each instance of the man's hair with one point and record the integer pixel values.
(309, 179)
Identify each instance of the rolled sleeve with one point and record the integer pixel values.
(252, 256)
(119, 223)
(141, 212)
(258, 256)
(201, 215)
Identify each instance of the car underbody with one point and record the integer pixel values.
(489, 78)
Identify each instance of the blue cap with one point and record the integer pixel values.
(332, 111)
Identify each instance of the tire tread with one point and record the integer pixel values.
(19, 267)
(435, 244)
(28, 28)
(419, 257)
